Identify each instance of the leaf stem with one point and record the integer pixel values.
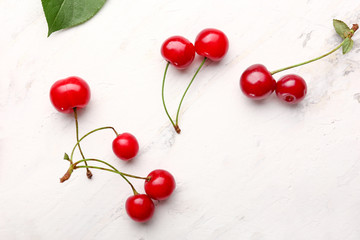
(309, 61)
(162, 94)
(88, 172)
(183, 96)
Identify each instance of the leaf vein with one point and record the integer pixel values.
(57, 14)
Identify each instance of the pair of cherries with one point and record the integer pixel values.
(68, 95)
(258, 83)
(159, 185)
(180, 52)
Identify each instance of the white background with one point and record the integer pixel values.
(244, 169)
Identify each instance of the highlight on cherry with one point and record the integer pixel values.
(73, 93)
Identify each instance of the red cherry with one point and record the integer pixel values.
(179, 51)
(212, 43)
(69, 93)
(291, 88)
(140, 207)
(256, 82)
(125, 146)
(161, 184)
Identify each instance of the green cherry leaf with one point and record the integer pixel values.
(347, 45)
(341, 28)
(62, 14)
(66, 157)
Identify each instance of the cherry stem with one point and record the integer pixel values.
(106, 169)
(123, 175)
(87, 134)
(183, 96)
(95, 167)
(162, 94)
(108, 164)
(88, 172)
(354, 28)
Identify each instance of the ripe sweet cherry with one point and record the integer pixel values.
(159, 184)
(291, 88)
(140, 207)
(257, 82)
(125, 146)
(179, 51)
(69, 93)
(210, 43)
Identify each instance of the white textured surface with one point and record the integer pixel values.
(244, 170)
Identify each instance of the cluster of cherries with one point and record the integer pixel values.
(180, 52)
(73, 93)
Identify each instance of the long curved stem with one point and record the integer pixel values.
(162, 94)
(309, 61)
(87, 134)
(105, 169)
(108, 164)
(183, 96)
(100, 168)
(88, 172)
(123, 175)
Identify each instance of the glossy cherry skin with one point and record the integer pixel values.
(69, 93)
(211, 43)
(291, 88)
(161, 184)
(256, 82)
(179, 51)
(125, 146)
(140, 207)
